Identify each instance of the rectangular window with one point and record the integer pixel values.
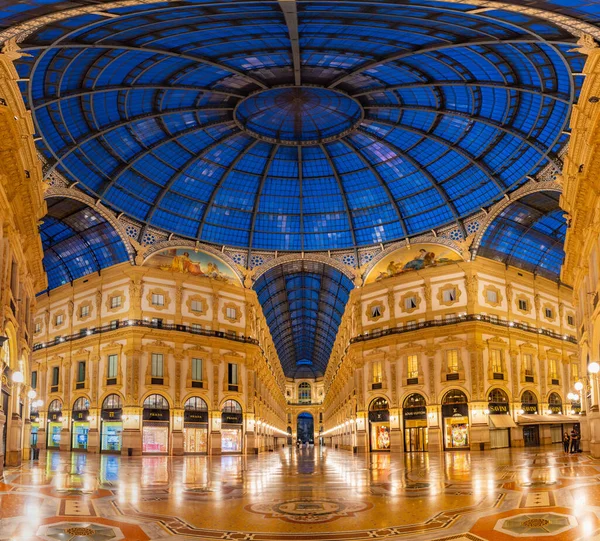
(197, 369)
(553, 371)
(157, 322)
(549, 313)
(158, 299)
(523, 305)
(452, 360)
(114, 324)
(496, 360)
(450, 317)
(112, 362)
(377, 372)
(411, 324)
(413, 366)
(232, 373)
(449, 295)
(376, 311)
(81, 372)
(34, 379)
(492, 296)
(196, 327)
(38, 327)
(197, 306)
(575, 372)
(231, 313)
(570, 321)
(410, 303)
(84, 311)
(58, 320)
(55, 375)
(157, 365)
(528, 361)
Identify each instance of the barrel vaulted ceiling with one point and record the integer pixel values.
(304, 125)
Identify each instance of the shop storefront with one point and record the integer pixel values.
(555, 406)
(455, 414)
(379, 425)
(155, 427)
(531, 432)
(195, 426)
(232, 419)
(54, 424)
(34, 419)
(81, 424)
(499, 419)
(111, 429)
(414, 415)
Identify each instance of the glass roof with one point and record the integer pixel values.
(303, 303)
(342, 125)
(77, 241)
(529, 234)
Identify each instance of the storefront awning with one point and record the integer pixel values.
(548, 419)
(502, 421)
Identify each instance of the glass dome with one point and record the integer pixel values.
(340, 125)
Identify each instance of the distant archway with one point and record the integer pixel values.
(306, 428)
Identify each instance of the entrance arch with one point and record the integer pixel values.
(305, 428)
(379, 424)
(414, 413)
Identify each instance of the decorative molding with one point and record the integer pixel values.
(417, 298)
(159, 291)
(200, 298)
(109, 298)
(238, 312)
(499, 298)
(449, 287)
(82, 304)
(371, 306)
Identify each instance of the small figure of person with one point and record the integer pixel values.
(566, 442)
(573, 441)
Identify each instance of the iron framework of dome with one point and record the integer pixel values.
(529, 234)
(300, 125)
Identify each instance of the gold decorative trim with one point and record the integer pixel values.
(547, 306)
(87, 303)
(38, 321)
(496, 290)
(109, 298)
(407, 296)
(159, 291)
(449, 287)
(527, 300)
(55, 317)
(370, 307)
(200, 298)
(238, 312)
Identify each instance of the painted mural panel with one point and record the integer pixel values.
(194, 263)
(415, 257)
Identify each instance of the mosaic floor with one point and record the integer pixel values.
(306, 495)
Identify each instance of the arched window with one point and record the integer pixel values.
(554, 399)
(304, 392)
(455, 396)
(55, 405)
(112, 402)
(379, 404)
(231, 406)
(497, 395)
(414, 400)
(195, 403)
(156, 402)
(81, 404)
(528, 398)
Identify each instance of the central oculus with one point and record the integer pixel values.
(298, 115)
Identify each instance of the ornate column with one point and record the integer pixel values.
(177, 435)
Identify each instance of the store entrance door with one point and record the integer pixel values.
(531, 435)
(415, 439)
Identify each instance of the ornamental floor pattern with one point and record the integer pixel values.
(305, 495)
